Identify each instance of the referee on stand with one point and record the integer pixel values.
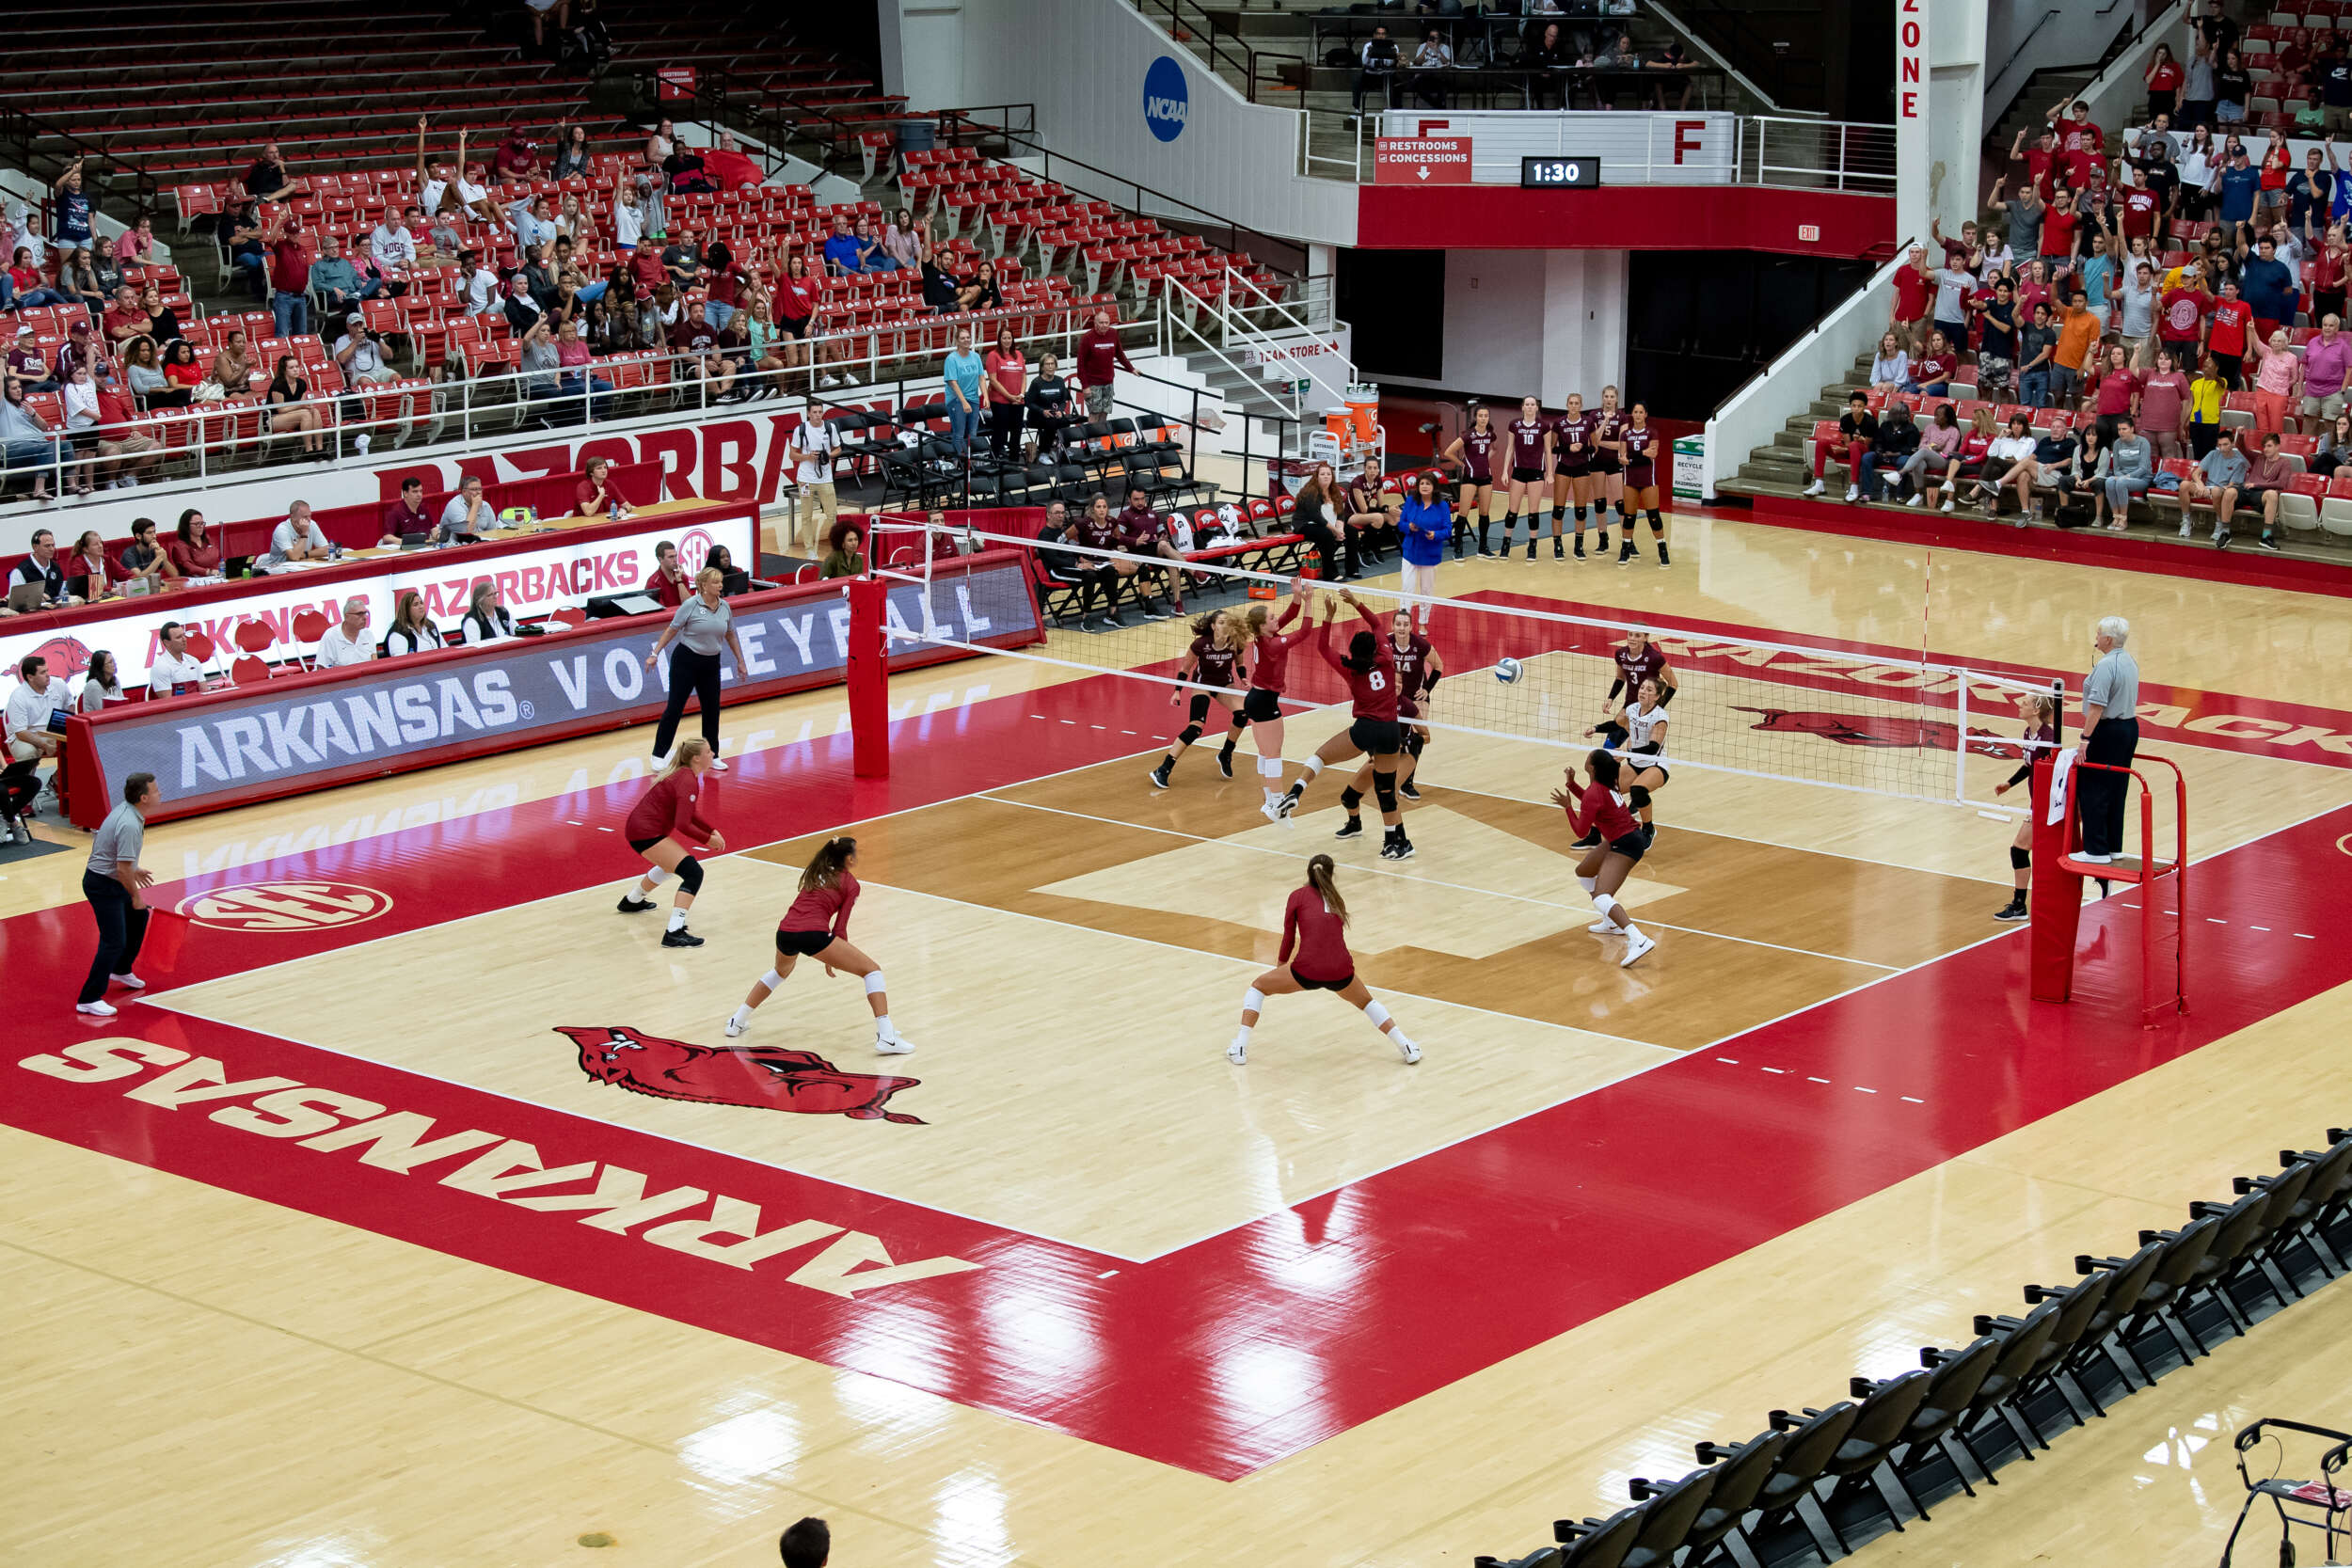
(2110, 735)
(116, 887)
(703, 625)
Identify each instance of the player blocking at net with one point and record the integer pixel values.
(1314, 957)
(1370, 670)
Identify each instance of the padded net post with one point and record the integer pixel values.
(869, 680)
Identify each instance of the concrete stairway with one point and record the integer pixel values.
(1780, 470)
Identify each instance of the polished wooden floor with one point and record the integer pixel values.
(197, 1373)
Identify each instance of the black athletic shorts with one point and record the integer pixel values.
(1632, 846)
(1477, 482)
(1340, 983)
(1261, 706)
(1574, 470)
(1606, 463)
(1528, 476)
(807, 944)
(1651, 750)
(1374, 736)
(642, 844)
(787, 327)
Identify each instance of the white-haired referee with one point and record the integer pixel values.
(2110, 735)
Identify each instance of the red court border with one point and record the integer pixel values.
(1244, 1348)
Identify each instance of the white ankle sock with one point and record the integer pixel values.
(1242, 1035)
(678, 920)
(881, 1027)
(742, 1014)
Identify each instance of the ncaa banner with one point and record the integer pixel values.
(391, 716)
(561, 569)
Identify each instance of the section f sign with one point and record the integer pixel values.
(1167, 101)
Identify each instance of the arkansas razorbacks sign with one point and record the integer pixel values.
(757, 1077)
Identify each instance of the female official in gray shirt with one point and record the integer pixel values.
(702, 626)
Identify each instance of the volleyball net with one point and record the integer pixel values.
(1522, 670)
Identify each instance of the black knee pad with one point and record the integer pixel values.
(2019, 859)
(690, 875)
(1198, 713)
(1638, 797)
(1239, 721)
(1351, 797)
(1656, 521)
(1414, 742)
(1189, 733)
(1384, 791)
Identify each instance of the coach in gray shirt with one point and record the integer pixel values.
(116, 891)
(703, 624)
(2110, 735)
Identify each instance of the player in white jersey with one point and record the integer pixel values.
(1637, 733)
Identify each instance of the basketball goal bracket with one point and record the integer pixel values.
(2059, 872)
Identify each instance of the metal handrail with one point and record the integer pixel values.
(18, 130)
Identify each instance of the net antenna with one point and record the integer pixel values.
(1910, 728)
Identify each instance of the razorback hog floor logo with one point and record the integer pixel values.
(1880, 729)
(758, 1077)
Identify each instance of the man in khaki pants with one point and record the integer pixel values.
(814, 447)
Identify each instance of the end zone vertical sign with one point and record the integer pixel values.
(1911, 117)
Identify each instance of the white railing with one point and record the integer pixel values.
(1759, 410)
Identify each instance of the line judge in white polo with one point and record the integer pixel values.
(347, 641)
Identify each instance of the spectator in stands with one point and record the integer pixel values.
(538, 276)
(25, 439)
(267, 180)
(335, 281)
(978, 292)
(1932, 372)
(27, 362)
(483, 293)
(962, 371)
(2327, 358)
(467, 516)
(2214, 482)
(233, 366)
(2036, 344)
(941, 286)
(574, 379)
(2164, 400)
(2234, 89)
(412, 630)
(190, 552)
(521, 309)
(2010, 460)
(517, 158)
(1618, 55)
(2235, 185)
(162, 322)
(1048, 401)
(1857, 431)
(687, 171)
(1672, 58)
(531, 221)
(444, 190)
(572, 156)
(841, 247)
(2025, 214)
(2162, 78)
(130, 452)
(2270, 289)
(81, 350)
(1376, 67)
(1890, 452)
(137, 244)
(69, 210)
(1550, 57)
(1938, 448)
(2277, 382)
(289, 274)
(27, 288)
(1890, 371)
(124, 320)
(183, 373)
(2228, 330)
(845, 547)
(1430, 63)
(78, 280)
(360, 352)
(725, 283)
(2127, 468)
(903, 243)
(1100, 355)
(1007, 382)
(347, 642)
(404, 518)
(78, 401)
(290, 412)
(146, 378)
(538, 360)
(2335, 447)
(298, 538)
(683, 262)
(2077, 328)
(795, 301)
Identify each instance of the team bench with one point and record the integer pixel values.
(1277, 555)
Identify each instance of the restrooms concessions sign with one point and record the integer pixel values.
(256, 742)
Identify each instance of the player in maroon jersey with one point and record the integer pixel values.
(1270, 647)
(1531, 474)
(1641, 484)
(1608, 466)
(1219, 651)
(1418, 669)
(1104, 573)
(1638, 658)
(1572, 458)
(664, 827)
(1370, 668)
(817, 926)
(1314, 957)
(2041, 727)
(1471, 455)
(1597, 810)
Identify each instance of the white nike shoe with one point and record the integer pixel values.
(128, 982)
(1602, 929)
(1916, 500)
(1634, 947)
(893, 1044)
(1268, 809)
(1853, 491)
(735, 1030)
(1407, 1050)
(95, 1009)
(1814, 488)
(1237, 1052)
(1948, 505)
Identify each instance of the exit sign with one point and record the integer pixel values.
(1809, 232)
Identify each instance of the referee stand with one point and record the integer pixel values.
(2055, 902)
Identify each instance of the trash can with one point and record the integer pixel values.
(1690, 468)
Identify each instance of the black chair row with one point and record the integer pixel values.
(1815, 1482)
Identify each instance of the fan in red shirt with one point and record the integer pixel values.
(2225, 339)
(2185, 308)
(2140, 207)
(817, 926)
(1269, 673)
(1915, 291)
(1314, 957)
(1599, 807)
(664, 827)
(1370, 669)
(669, 585)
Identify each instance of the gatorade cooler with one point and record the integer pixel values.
(1340, 423)
(1363, 408)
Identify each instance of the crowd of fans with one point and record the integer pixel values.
(2153, 309)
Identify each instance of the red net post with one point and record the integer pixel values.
(868, 679)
